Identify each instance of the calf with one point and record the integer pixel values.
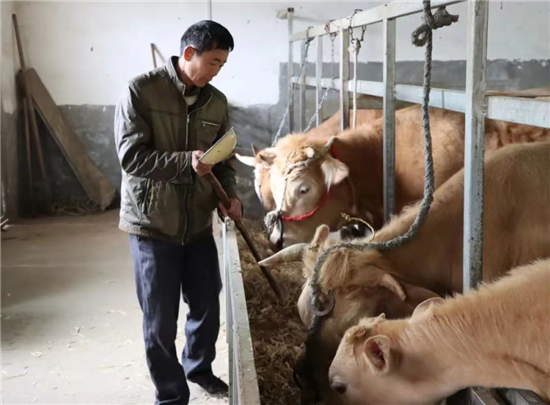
(498, 336)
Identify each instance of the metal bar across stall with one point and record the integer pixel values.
(290, 17)
(476, 68)
(511, 109)
(344, 78)
(374, 15)
(389, 118)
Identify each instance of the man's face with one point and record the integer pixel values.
(201, 69)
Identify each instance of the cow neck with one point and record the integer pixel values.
(362, 153)
(474, 338)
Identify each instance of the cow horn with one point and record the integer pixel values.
(327, 310)
(287, 255)
(254, 150)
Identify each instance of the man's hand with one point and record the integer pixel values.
(234, 212)
(200, 168)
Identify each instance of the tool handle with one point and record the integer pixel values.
(222, 195)
(266, 272)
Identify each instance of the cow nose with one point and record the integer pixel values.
(338, 387)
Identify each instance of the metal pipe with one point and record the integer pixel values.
(319, 79)
(290, 17)
(344, 79)
(391, 10)
(208, 9)
(476, 67)
(354, 91)
(303, 89)
(389, 118)
(525, 111)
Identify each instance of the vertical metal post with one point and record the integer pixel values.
(303, 89)
(389, 118)
(228, 314)
(319, 79)
(344, 79)
(208, 9)
(476, 66)
(290, 16)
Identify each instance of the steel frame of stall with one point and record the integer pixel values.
(474, 102)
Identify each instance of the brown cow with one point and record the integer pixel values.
(323, 132)
(350, 178)
(498, 336)
(366, 283)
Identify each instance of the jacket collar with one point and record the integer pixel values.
(205, 93)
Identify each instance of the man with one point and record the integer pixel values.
(164, 122)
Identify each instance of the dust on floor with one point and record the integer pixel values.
(71, 322)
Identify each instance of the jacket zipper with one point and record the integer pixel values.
(187, 149)
(185, 188)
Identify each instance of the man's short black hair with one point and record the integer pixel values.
(205, 36)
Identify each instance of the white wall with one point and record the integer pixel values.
(85, 52)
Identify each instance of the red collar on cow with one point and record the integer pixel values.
(297, 218)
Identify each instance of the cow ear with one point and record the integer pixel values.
(267, 156)
(247, 160)
(321, 234)
(424, 308)
(378, 354)
(334, 171)
(387, 281)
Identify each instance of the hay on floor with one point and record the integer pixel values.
(277, 331)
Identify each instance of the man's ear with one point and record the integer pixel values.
(334, 171)
(377, 354)
(188, 53)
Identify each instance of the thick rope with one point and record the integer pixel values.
(421, 36)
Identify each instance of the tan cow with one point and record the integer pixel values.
(349, 179)
(498, 336)
(366, 283)
(323, 132)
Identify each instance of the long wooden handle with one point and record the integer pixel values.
(222, 195)
(31, 112)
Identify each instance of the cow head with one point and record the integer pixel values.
(362, 284)
(261, 162)
(371, 365)
(308, 187)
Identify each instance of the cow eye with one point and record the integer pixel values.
(304, 189)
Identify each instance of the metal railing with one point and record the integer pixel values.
(474, 102)
(243, 382)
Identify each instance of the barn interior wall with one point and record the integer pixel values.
(86, 51)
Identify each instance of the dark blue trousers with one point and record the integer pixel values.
(163, 271)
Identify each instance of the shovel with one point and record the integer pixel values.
(220, 151)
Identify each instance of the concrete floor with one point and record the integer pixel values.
(71, 323)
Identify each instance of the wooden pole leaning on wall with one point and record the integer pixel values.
(31, 113)
(154, 56)
(28, 151)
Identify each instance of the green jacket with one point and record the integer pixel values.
(155, 132)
